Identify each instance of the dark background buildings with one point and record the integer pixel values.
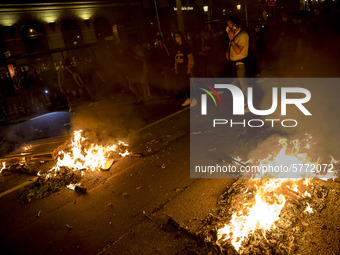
(50, 29)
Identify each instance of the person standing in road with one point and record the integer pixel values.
(160, 64)
(238, 47)
(237, 52)
(184, 62)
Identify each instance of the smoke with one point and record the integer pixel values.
(41, 127)
(117, 86)
(111, 119)
(323, 124)
(299, 54)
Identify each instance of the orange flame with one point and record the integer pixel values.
(271, 195)
(72, 186)
(261, 215)
(80, 158)
(3, 167)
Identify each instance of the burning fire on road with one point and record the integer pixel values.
(269, 213)
(3, 167)
(81, 156)
(78, 158)
(84, 156)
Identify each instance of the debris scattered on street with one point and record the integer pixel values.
(68, 226)
(147, 216)
(80, 189)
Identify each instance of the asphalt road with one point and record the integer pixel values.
(142, 205)
(116, 200)
(126, 209)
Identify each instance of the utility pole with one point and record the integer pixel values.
(180, 16)
(157, 16)
(246, 11)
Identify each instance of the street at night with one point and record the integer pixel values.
(169, 127)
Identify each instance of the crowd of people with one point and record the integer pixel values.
(36, 89)
(162, 67)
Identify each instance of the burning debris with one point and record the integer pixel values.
(85, 155)
(44, 187)
(251, 222)
(264, 215)
(81, 157)
(3, 167)
(77, 187)
(16, 167)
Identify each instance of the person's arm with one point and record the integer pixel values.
(237, 48)
(69, 70)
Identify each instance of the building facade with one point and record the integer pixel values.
(43, 27)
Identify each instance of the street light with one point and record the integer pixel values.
(206, 8)
(238, 7)
(158, 22)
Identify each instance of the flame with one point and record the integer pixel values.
(72, 186)
(293, 158)
(81, 158)
(3, 167)
(259, 216)
(122, 143)
(28, 147)
(309, 210)
(271, 194)
(126, 153)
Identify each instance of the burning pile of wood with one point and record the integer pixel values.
(262, 215)
(284, 236)
(77, 157)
